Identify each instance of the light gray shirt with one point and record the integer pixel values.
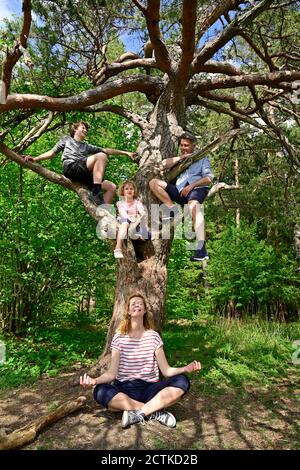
(74, 149)
(194, 172)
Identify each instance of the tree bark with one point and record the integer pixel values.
(144, 267)
(148, 277)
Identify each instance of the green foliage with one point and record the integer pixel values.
(246, 271)
(47, 351)
(185, 293)
(50, 255)
(49, 252)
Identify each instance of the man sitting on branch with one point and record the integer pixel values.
(191, 187)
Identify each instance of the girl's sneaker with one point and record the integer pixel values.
(118, 254)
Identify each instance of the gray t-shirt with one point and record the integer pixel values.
(74, 149)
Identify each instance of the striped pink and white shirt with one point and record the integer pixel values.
(137, 356)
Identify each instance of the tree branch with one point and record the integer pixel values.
(213, 13)
(140, 6)
(110, 70)
(35, 133)
(213, 66)
(221, 186)
(160, 49)
(14, 54)
(213, 46)
(284, 109)
(233, 114)
(56, 178)
(273, 79)
(227, 99)
(265, 58)
(151, 86)
(133, 117)
(189, 16)
(200, 153)
(28, 433)
(293, 56)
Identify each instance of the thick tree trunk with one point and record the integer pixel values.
(147, 276)
(144, 267)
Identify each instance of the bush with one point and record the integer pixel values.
(246, 274)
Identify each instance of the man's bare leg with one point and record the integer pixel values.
(158, 188)
(198, 219)
(96, 164)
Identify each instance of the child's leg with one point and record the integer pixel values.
(121, 235)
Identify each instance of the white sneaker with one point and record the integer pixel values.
(132, 417)
(164, 417)
(118, 254)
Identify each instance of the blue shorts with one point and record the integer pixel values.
(138, 389)
(197, 194)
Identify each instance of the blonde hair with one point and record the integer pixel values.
(131, 183)
(124, 326)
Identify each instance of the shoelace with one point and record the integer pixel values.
(160, 416)
(142, 420)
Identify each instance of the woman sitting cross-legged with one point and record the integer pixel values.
(132, 383)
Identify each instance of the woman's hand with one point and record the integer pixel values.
(193, 367)
(87, 381)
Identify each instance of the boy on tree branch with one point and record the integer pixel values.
(85, 163)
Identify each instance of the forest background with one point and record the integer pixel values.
(57, 277)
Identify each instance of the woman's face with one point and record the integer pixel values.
(136, 307)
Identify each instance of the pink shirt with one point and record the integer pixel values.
(130, 210)
(137, 356)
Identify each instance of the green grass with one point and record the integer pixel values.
(47, 351)
(233, 354)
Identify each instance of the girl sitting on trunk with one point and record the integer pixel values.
(131, 212)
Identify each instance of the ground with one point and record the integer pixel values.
(248, 418)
